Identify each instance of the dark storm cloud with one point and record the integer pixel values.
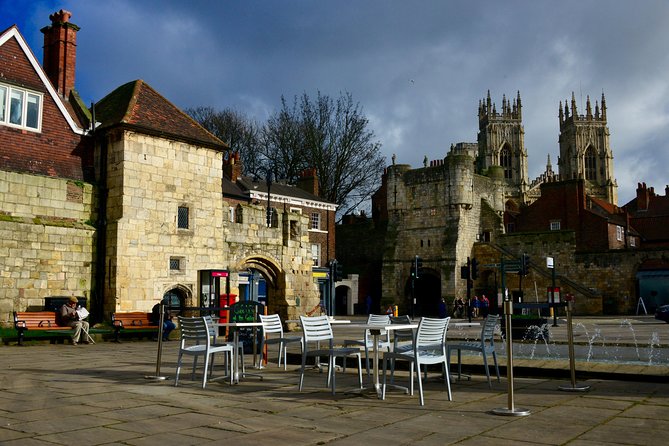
(417, 68)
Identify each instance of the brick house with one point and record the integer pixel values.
(47, 210)
(565, 205)
(136, 207)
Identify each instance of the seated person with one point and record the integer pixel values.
(67, 317)
(168, 325)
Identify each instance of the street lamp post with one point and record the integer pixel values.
(268, 181)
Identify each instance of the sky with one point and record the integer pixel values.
(417, 68)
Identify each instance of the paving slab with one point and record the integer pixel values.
(98, 395)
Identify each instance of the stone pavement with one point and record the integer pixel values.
(98, 394)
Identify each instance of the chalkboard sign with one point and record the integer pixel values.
(246, 311)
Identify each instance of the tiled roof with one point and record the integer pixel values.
(139, 106)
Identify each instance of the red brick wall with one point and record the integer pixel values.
(56, 151)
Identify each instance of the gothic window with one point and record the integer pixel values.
(590, 161)
(505, 162)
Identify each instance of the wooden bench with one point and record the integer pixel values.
(135, 320)
(42, 321)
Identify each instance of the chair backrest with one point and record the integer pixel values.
(316, 328)
(378, 319)
(432, 332)
(271, 323)
(194, 330)
(488, 330)
(401, 334)
(211, 326)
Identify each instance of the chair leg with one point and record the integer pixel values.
(204, 371)
(333, 365)
(359, 370)
(485, 366)
(494, 356)
(420, 385)
(304, 361)
(447, 378)
(176, 377)
(383, 387)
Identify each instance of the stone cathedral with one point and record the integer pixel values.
(439, 211)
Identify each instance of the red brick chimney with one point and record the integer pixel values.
(642, 197)
(60, 51)
(232, 167)
(308, 181)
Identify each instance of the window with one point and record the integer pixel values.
(239, 214)
(315, 220)
(182, 217)
(20, 108)
(296, 210)
(555, 225)
(505, 162)
(590, 164)
(231, 214)
(175, 264)
(316, 254)
(619, 233)
(632, 242)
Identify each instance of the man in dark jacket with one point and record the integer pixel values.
(67, 316)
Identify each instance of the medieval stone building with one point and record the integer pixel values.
(467, 205)
(128, 202)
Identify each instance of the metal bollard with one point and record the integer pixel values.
(511, 410)
(572, 360)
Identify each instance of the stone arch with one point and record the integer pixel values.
(183, 293)
(273, 275)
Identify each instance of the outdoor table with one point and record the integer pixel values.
(235, 363)
(375, 331)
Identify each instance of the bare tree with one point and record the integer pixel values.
(237, 130)
(334, 138)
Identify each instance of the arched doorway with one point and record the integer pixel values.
(342, 295)
(259, 278)
(175, 298)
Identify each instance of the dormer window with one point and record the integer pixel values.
(20, 108)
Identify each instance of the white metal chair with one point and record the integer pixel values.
(368, 343)
(271, 324)
(485, 345)
(429, 348)
(213, 333)
(196, 341)
(318, 329)
(402, 339)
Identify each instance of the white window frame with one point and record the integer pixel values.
(555, 225)
(316, 257)
(619, 233)
(231, 214)
(315, 221)
(27, 97)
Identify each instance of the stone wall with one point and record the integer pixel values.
(46, 240)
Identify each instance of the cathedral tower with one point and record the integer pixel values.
(501, 142)
(585, 151)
